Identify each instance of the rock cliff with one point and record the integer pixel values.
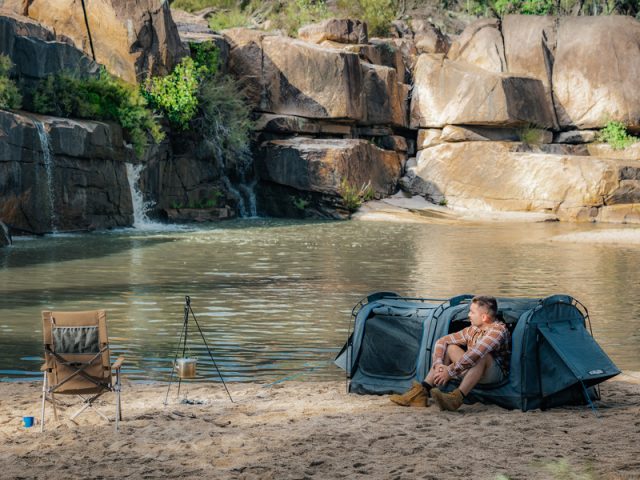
(502, 117)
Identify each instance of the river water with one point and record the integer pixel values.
(273, 298)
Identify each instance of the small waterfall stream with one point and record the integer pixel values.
(140, 207)
(48, 167)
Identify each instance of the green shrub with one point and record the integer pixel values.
(100, 98)
(9, 95)
(195, 5)
(352, 196)
(378, 14)
(223, 121)
(175, 95)
(299, 203)
(206, 57)
(525, 7)
(531, 135)
(616, 135)
(231, 18)
(290, 16)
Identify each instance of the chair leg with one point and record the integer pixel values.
(44, 396)
(118, 404)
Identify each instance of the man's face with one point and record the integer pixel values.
(477, 314)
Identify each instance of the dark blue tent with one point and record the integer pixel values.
(555, 360)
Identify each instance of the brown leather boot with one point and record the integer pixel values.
(448, 401)
(415, 397)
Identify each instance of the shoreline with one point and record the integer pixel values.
(317, 430)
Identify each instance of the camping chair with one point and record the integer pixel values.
(76, 355)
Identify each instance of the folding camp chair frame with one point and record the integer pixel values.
(100, 358)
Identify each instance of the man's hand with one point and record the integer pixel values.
(442, 376)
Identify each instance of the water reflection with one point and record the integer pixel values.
(273, 297)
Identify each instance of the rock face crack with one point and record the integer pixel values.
(549, 61)
(505, 66)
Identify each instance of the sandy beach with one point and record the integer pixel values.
(315, 430)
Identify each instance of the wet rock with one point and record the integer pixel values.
(335, 30)
(79, 183)
(447, 92)
(5, 235)
(132, 39)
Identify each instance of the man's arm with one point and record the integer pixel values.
(457, 338)
(489, 342)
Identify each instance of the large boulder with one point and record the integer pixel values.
(596, 74)
(246, 63)
(448, 93)
(495, 176)
(481, 44)
(58, 174)
(132, 39)
(386, 99)
(320, 165)
(530, 44)
(310, 81)
(339, 30)
(428, 38)
(36, 53)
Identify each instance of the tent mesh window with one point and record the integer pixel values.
(390, 346)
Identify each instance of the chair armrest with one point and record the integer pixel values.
(44, 367)
(117, 364)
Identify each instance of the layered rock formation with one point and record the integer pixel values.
(132, 39)
(60, 174)
(531, 81)
(317, 98)
(503, 117)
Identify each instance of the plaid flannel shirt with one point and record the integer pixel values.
(495, 340)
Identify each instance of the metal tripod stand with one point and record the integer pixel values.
(183, 341)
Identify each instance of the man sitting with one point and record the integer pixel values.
(476, 354)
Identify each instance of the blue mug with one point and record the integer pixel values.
(28, 421)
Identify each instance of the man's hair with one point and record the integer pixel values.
(489, 303)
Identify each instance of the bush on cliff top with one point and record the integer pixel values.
(9, 95)
(101, 98)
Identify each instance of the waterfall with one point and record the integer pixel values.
(140, 207)
(48, 167)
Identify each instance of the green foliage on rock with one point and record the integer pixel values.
(377, 14)
(525, 7)
(9, 94)
(176, 94)
(104, 97)
(229, 18)
(616, 135)
(224, 118)
(352, 196)
(292, 15)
